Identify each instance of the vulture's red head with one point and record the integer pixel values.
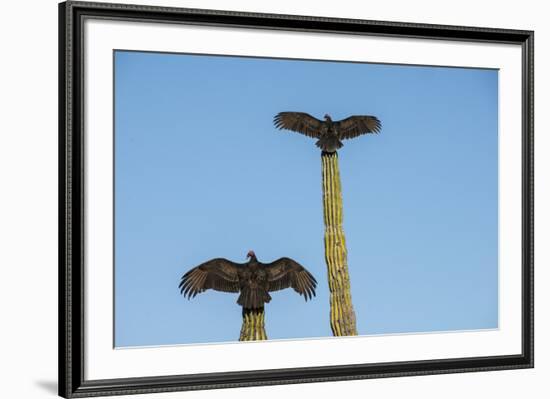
(250, 254)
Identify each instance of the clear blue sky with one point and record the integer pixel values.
(201, 173)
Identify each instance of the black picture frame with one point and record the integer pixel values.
(71, 200)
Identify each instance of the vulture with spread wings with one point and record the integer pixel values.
(328, 132)
(253, 279)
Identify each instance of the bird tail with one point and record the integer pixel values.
(253, 298)
(329, 143)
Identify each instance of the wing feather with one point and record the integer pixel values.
(285, 273)
(299, 122)
(218, 274)
(356, 125)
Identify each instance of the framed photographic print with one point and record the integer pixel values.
(299, 198)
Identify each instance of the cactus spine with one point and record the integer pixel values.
(342, 315)
(253, 328)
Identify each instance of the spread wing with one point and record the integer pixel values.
(356, 125)
(285, 272)
(299, 122)
(219, 274)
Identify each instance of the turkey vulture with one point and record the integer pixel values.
(252, 279)
(329, 132)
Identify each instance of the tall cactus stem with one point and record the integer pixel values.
(342, 315)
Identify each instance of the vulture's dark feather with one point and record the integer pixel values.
(356, 125)
(299, 122)
(219, 274)
(285, 273)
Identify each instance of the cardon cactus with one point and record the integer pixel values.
(342, 315)
(253, 328)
